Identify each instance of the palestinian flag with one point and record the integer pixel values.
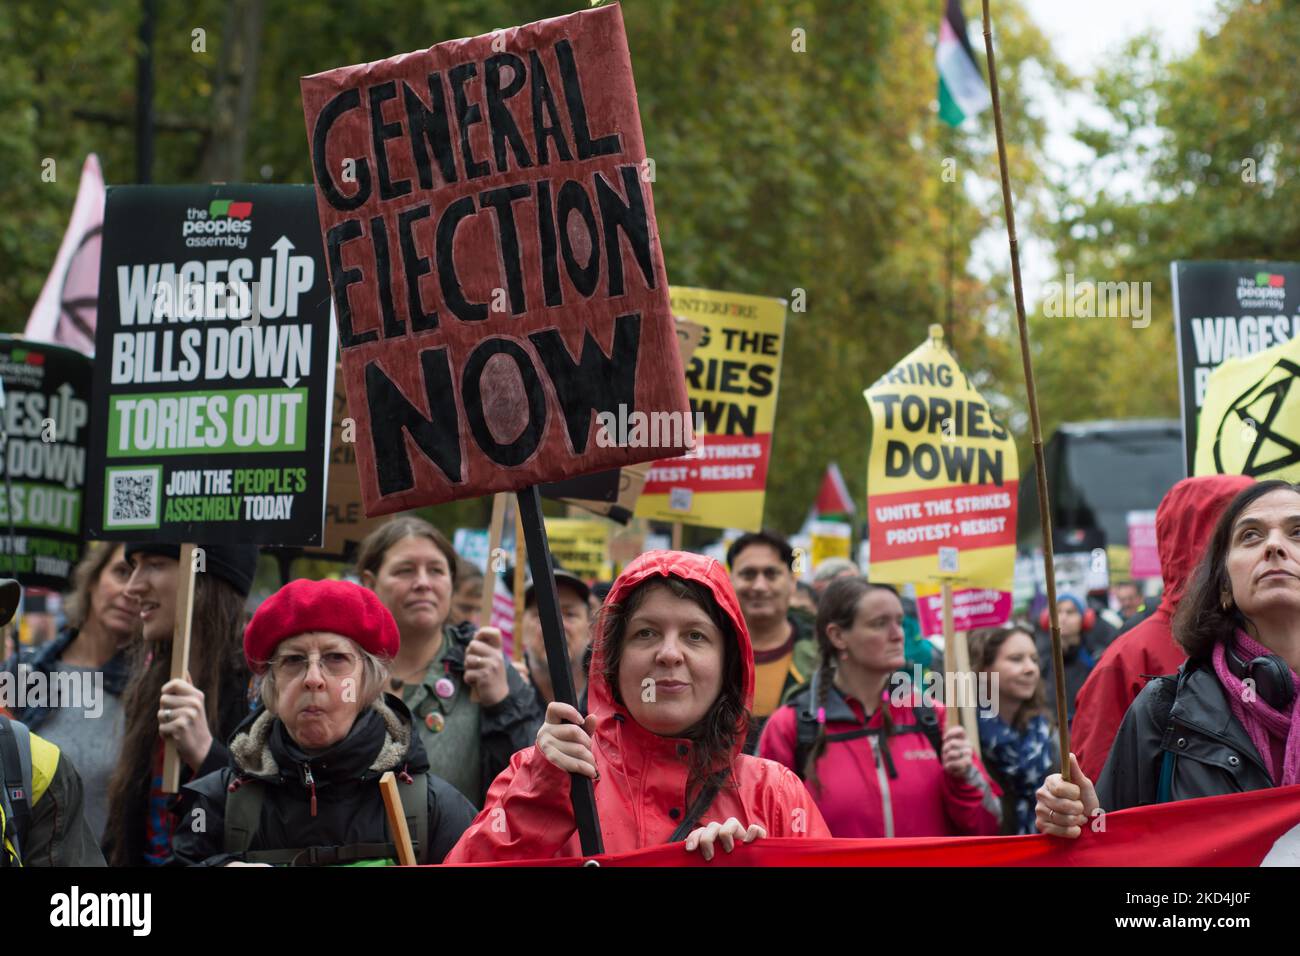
(833, 500)
(962, 92)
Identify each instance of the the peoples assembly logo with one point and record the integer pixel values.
(1263, 290)
(226, 222)
(22, 367)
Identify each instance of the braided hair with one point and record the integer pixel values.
(838, 605)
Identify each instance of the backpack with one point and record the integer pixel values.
(15, 801)
(244, 815)
(1160, 709)
(927, 723)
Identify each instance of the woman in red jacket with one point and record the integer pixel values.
(672, 679)
(878, 764)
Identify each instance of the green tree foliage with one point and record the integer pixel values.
(777, 169)
(1194, 163)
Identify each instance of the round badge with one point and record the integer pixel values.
(435, 722)
(444, 688)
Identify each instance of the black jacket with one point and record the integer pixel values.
(1212, 753)
(1079, 662)
(57, 833)
(350, 808)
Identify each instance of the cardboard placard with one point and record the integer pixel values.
(732, 379)
(46, 424)
(1227, 310)
(1249, 420)
(829, 539)
(1144, 550)
(494, 259)
(580, 546)
(619, 503)
(971, 608)
(941, 478)
(214, 370)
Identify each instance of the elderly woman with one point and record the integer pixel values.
(1228, 722)
(304, 788)
(472, 709)
(672, 680)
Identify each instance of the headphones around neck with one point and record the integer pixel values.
(1270, 675)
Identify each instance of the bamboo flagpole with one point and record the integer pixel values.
(1040, 467)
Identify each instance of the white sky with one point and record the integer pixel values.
(1085, 35)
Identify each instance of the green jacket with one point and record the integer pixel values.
(468, 744)
(57, 833)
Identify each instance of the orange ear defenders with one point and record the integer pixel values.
(1089, 619)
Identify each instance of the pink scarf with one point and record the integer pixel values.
(1260, 720)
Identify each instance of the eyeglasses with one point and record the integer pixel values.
(333, 663)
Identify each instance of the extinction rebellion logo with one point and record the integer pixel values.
(224, 223)
(1263, 290)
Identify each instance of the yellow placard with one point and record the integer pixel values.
(830, 540)
(732, 380)
(581, 547)
(1250, 422)
(942, 477)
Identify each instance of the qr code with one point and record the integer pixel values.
(948, 560)
(133, 498)
(679, 499)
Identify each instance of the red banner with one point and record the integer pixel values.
(1261, 828)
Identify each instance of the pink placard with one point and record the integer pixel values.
(1144, 555)
(971, 608)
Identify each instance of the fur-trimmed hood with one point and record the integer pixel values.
(381, 739)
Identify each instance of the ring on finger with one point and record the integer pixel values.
(166, 714)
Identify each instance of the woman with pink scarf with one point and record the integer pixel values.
(1229, 721)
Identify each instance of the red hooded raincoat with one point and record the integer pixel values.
(1184, 522)
(641, 794)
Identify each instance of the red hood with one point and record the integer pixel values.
(691, 567)
(1184, 522)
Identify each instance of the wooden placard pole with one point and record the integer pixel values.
(181, 634)
(494, 543)
(1026, 360)
(957, 663)
(677, 536)
(557, 656)
(397, 820)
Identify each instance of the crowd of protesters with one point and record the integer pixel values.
(715, 702)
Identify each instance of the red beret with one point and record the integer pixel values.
(304, 606)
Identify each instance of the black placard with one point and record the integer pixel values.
(214, 367)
